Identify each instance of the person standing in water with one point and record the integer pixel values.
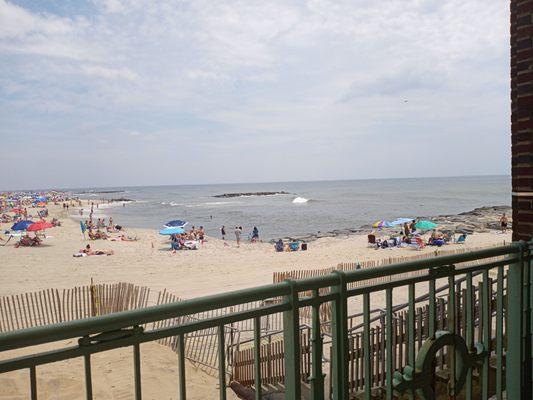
(223, 232)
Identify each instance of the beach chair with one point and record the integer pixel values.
(294, 246)
(461, 239)
(418, 243)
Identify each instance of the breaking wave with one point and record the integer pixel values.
(300, 200)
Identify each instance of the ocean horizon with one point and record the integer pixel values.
(309, 207)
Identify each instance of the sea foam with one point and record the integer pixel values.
(300, 200)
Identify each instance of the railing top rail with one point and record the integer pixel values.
(115, 321)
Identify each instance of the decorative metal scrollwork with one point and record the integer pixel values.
(419, 378)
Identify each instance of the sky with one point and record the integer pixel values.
(141, 92)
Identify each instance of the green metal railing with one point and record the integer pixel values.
(512, 323)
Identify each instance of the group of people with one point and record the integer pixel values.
(190, 240)
(99, 229)
(254, 236)
(414, 239)
(290, 246)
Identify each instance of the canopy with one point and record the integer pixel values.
(401, 221)
(21, 225)
(172, 230)
(39, 226)
(176, 223)
(426, 225)
(381, 224)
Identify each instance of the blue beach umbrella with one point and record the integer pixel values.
(401, 221)
(172, 230)
(176, 223)
(21, 225)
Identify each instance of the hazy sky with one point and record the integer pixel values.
(139, 92)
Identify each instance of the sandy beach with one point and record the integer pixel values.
(216, 267)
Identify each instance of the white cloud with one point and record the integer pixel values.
(110, 73)
(253, 73)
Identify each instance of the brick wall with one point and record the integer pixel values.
(522, 117)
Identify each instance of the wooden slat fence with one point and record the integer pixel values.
(51, 306)
(272, 362)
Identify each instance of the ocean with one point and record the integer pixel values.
(320, 206)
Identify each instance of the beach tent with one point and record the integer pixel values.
(21, 225)
(381, 224)
(426, 225)
(172, 230)
(401, 221)
(176, 223)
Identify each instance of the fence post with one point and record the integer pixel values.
(515, 328)
(339, 329)
(291, 340)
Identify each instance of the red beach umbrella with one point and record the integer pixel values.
(39, 226)
(17, 210)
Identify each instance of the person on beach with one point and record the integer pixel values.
(406, 230)
(503, 223)
(87, 251)
(255, 235)
(223, 232)
(238, 232)
(201, 234)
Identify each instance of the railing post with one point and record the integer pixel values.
(291, 340)
(515, 329)
(339, 330)
(317, 377)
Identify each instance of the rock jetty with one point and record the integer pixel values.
(248, 194)
(482, 219)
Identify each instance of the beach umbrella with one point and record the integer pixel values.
(17, 210)
(426, 225)
(401, 221)
(381, 224)
(21, 225)
(172, 230)
(176, 223)
(39, 226)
